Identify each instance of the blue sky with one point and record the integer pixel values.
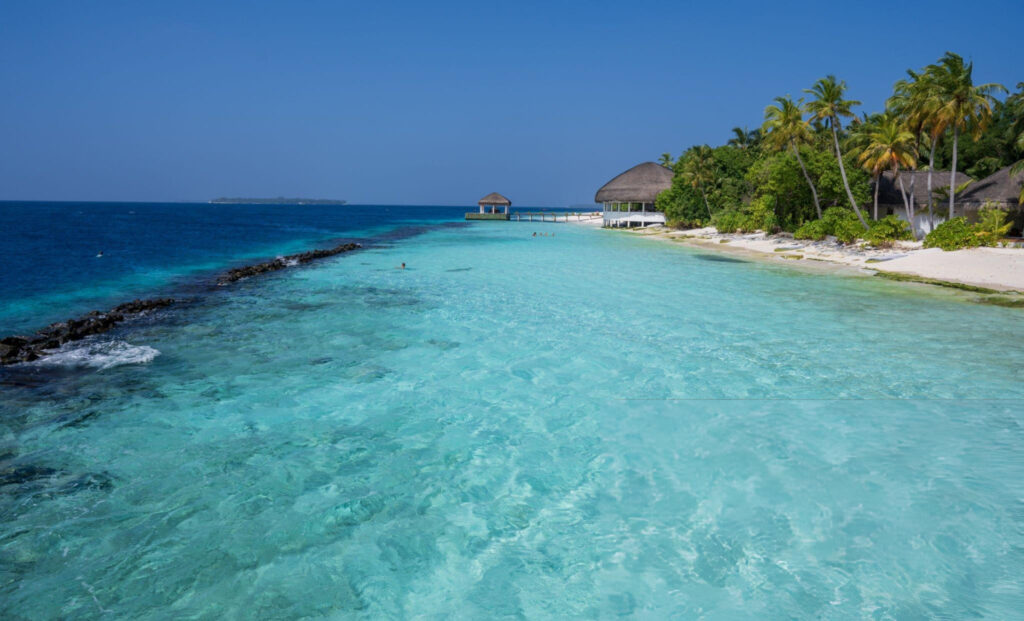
(427, 103)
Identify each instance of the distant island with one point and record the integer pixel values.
(280, 200)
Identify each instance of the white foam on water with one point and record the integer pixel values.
(97, 354)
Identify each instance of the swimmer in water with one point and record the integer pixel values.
(403, 266)
(100, 254)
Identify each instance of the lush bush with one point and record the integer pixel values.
(758, 216)
(955, 234)
(837, 221)
(732, 221)
(952, 235)
(888, 230)
(815, 229)
(761, 215)
(993, 225)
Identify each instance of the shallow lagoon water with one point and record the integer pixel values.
(584, 425)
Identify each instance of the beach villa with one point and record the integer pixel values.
(494, 206)
(1001, 189)
(890, 199)
(628, 199)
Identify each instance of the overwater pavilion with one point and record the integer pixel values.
(494, 206)
(628, 199)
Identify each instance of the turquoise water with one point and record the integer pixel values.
(588, 425)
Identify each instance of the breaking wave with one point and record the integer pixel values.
(97, 354)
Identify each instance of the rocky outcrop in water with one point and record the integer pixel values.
(15, 349)
(282, 262)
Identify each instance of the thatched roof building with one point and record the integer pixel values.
(494, 206)
(628, 199)
(640, 184)
(494, 199)
(889, 187)
(1000, 187)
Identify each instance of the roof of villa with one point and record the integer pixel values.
(640, 184)
(494, 199)
(1000, 186)
(889, 188)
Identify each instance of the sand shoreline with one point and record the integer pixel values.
(982, 270)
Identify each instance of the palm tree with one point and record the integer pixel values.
(785, 128)
(913, 101)
(859, 137)
(890, 146)
(959, 104)
(828, 105)
(665, 160)
(699, 171)
(743, 138)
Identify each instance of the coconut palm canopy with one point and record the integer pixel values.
(1002, 186)
(889, 189)
(640, 184)
(494, 199)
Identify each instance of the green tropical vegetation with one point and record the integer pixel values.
(812, 167)
(992, 225)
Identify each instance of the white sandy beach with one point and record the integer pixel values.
(995, 268)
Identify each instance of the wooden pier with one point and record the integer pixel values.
(553, 216)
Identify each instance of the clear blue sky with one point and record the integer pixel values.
(428, 102)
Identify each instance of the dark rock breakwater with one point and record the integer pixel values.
(282, 262)
(14, 349)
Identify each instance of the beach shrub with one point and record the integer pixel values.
(844, 224)
(815, 229)
(761, 215)
(952, 235)
(888, 230)
(758, 216)
(730, 221)
(837, 221)
(993, 225)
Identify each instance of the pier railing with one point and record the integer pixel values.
(554, 216)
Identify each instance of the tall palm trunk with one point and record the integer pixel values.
(814, 192)
(952, 172)
(907, 204)
(931, 167)
(913, 206)
(705, 196)
(842, 173)
(878, 178)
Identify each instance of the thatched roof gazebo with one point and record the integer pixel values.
(494, 206)
(628, 199)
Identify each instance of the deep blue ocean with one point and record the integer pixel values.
(51, 269)
(579, 424)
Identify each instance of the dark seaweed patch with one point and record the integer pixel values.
(20, 475)
(78, 421)
(718, 259)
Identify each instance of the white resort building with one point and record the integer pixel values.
(628, 199)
